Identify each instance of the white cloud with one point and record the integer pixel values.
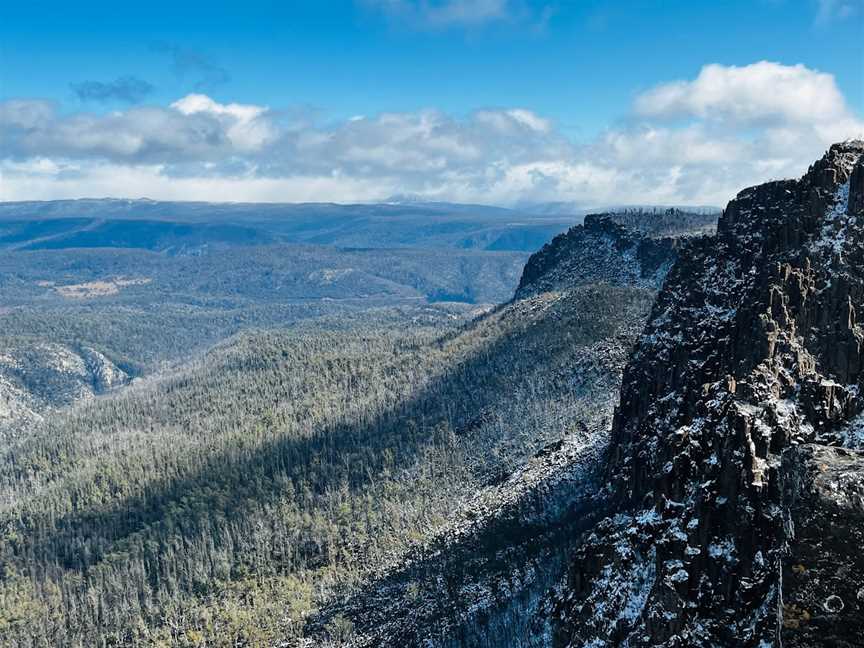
(513, 120)
(34, 128)
(25, 114)
(740, 126)
(246, 125)
(757, 93)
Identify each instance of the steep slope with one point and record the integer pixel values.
(600, 250)
(276, 471)
(486, 577)
(735, 515)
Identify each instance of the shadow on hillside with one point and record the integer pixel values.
(460, 588)
(351, 453)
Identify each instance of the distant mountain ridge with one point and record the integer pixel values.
(135, 223)
(189, 226)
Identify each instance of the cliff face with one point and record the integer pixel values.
(736, 517)
(727, 509)
(600, 250)
(823, 567)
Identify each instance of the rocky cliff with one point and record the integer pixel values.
(735, 511)
(600, 250)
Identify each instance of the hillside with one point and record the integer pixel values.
(259, 274)
(145, 309)
(162, 295)
(600, 251)
(65, 314)
(150, 284)
(284, 470)
(486, 577)
(38, 377)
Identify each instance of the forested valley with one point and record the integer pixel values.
(225, 498)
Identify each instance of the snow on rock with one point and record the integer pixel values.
(491, 574)
(753, 353)
(600, 250)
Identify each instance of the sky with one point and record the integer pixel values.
(490, 101)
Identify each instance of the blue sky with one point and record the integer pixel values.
(306, 70)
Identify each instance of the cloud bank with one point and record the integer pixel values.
(692, 141)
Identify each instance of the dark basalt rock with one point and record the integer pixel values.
(754, 346)
(856, 189)
(823, 566)
(600, 250)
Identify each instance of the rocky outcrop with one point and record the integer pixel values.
(856, 189)
(754, 347)
(600, 250)
(728, 507)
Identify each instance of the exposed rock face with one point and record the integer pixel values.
(754, 347)
(823, 569)
(600, 250)
(729, 508)
(856, 189)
